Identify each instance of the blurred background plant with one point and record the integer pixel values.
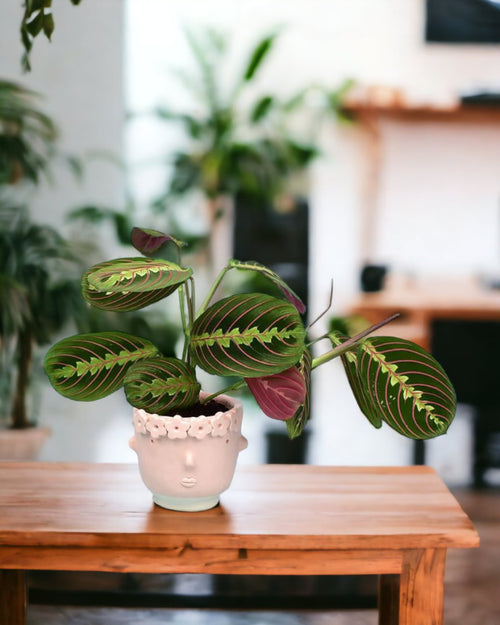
(28, 138)
(39, 284)
(234, 142)
(39, 294)
(37, 18)
(40, 269)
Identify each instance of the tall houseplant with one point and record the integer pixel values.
(39, 293)
(29, 139)
(27, 136)
(256, 338)
(38, 271)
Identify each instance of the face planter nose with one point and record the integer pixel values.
(189, 481)
(189, 460)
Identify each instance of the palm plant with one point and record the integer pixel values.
(27, 135)
(38, 272)
(39, 293)
(28, 138)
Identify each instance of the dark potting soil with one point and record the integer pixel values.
(207, 410)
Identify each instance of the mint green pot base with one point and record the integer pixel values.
(185, 504)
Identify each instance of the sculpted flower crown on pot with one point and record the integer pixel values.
(178, 427)
(258, 338)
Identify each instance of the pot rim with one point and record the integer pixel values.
(172, 427)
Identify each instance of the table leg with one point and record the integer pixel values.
(420, 589)
(12, 598)
(388, 599)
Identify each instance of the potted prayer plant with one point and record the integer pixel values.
(187, 441)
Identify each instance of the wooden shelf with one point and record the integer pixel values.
(467, 113)
(422, 304)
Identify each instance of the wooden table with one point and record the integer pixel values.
(274, 520)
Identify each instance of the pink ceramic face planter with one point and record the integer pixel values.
(188, 462)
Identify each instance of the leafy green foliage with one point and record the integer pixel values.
(37, 18)
(29, 139)
(128, 284)
(38, 295)
(256, 337)
(397, 382)
(91, 366)
(273, 277)
(350, 361)
(251, 335)
(414, 393)
(27, 136)
(235, 147)
(295, 426)
(258, 55)
(161, 385)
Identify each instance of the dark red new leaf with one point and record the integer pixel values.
(279, 395)
(148, 241)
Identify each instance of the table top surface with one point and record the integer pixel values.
(266, 507)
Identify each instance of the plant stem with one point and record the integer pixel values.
(191, 303)
(25, 349)
(213, 288)
(231, 387)
(183, 296)
(350, 343)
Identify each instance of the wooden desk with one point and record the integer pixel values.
(421, 304)
(274, 520)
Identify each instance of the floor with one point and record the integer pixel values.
(471, 590)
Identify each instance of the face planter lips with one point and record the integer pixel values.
(189, 482)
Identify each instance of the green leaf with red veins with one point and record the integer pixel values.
(126, 284)
(414, 395)
(370, 409)
(296, 424)
(252, 265)
(161, 385)
(90, 366)
(250, 335)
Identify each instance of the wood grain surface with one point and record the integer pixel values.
(274, 520)
(268, 506)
